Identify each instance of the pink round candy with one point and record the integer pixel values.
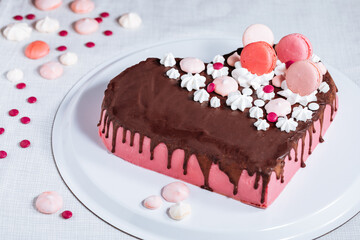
(225, 85)
(49, 202)
(175, 192)
(321, 67)
(51, 70)
(235, 57)
(218, 65)
(272, 117)
(82, 6)
(303, 77)
(268, 89)
(277, 80)
(279, 106)
(257, 33)
(192, 65)
(86, 26)
(66, 214)
(47, 5)
(152, 202)
(210, 88)
(294, 47)
(288, 64)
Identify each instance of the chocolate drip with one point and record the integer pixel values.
(265, 181)
(321, 119)
(257, 178)
(153, 144)
(310, 138)
(141, 142)
(101, 116)
(132, 135)
(205, 165)
(302, 151)
(115, 129)
(187, 156)
(105, 121)
(124, 135)
(296, 151)
(170, 152)
(107, 127)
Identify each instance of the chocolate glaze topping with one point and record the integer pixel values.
(142, 99)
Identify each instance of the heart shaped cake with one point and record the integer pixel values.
(240, 126)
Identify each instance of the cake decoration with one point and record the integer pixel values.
(130, 20)
(37, 49)
(168, 60)
(13, 112)
(279, 106)
(236, 100)
(301, 114)
(173, 73)
(108, 33)
(175, 192)
(235, 57)
(15, 75)
(49, 202)
(30, 16)
(24, 143)
(32, 100)
(179, 211)
(257, 33)
(61, 48)
(324, 87)
(18, 17)
(153, 202)
(63, 33)
(192, 82)
(68, 58)
(104, 14)
(51, 70)
(210, 87)
(25, 120)
(294, 47)
(261, 124)
(256, 112)
(192, 65)
(2, 130)
(277, 80)
(3, 154)
(217, 70)
(90, 44)
(321, 68)
(86, 26)
(47, 25)
(20, 85)
(98, 19)
(280, 68)
(17, 32)
(314, 106)
(272, 117)
(47, 5)
(225, 85)
(66, 214)
(215, 102)
(201, 96)
(286, 124)
(82, 6)
(266, 92)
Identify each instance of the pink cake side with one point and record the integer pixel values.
(218, 181)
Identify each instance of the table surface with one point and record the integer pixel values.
(25, 173)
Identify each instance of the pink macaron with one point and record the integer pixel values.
(303, 77)
(47, 5)
(82, 6)
(257, 33)
(258, 57)
(86, 26)
(51, 70)
(294, 47)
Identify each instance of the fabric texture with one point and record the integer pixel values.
(332, 26)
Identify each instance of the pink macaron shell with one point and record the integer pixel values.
(225, 85)
(293, 47)
(192, 65)
(232, 59)
(152, 202)
(279, 106)
(82, 6)
(303, 77)
(175, 192)
(321, 67)
(86, 26)
(258, 32)
(277, 80)
(49, 202)
(51, 70)
(47, 5)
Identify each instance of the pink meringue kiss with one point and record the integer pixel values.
(235, 57)
(277, 80)
(49, 202)
(225, 85)
(175, 192)
(258, 33)
(51, 70)
(47, 5)
(192, 65)
(321, 67)
(86, 26)
(82, 6)
(37, 49)
(279, 106)
(152, 202)
(303, 77)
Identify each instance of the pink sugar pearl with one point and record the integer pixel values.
(268, 89)
(99, 19)
(63, 33)
(30, 16)
(3, 154)
(90, 44)
(272, 117)
(25, 120)
(104, 14)
(25, 143)
(2, 130)
(61, 48)
(218, 66)
(18, 17)
(210, 88)
(66, 214)
(20, 85)
(13, 112)
(108, 33)
(32, 100)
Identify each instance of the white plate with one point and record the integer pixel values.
(319, 198)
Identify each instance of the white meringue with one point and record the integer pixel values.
(259, 103)
(215, 102)
(301, 114)
(17, 31)
(280, 69)
(201, 96)
(263, 95)
(130, 20)
(191, 82)
(236, 100)
(15, 75)
(215, 73)
(179, 211)
(173, 73)
(261, 124)
(47, 25)
(296, 98)
(153, 202)
(324, 87)
(168, 60)
(68, 59)
(256, 112)
(315, 58)
(286, 124)
(219, 58)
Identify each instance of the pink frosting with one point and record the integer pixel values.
(82, 6)
(175, 192)
(225, 85)
(153, 202)
(303, 77)
(235, 57)
(192, 65)
(86, 26)
(277, 80)
(279, 106)
(51, 70)
(49, 202)
(257, 33)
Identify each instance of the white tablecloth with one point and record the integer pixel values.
(332, 26)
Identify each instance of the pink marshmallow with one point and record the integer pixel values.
(82, 6)
(225, 85)
(51, 70)
(303, 77)
(86, 26)
(279, 106)
(321, 67)
(235, 57)
(47, 5)
(192, 65)
(175, 192)
(49, 202)
(257, 33)
(153, 202)
(277, 80)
